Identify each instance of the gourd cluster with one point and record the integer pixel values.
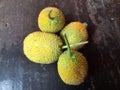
(57, 42)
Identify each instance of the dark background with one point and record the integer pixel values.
(19, 18)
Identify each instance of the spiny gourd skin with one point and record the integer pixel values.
(41, 47)
(76, 32)
(51, 19)
(72, 70)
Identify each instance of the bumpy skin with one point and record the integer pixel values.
(47, 24)
(42, 47)
(76, 32)
(73, 71)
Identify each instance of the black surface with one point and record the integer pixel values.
(19, 18)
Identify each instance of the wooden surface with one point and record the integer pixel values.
(19, 18)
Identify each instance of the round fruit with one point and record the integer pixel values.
(51, 20)
(72, 66)
(41, 47)
(76, 32)
(72, 70)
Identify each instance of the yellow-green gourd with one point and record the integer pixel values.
(51, 19)
(72, 67)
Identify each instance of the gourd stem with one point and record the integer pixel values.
(85, 24)
(68, 45)
(50, 15)
(76, 44)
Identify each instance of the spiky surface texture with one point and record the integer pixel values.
(42, 47)
(76, 32)
(72, 70)
(47, 24)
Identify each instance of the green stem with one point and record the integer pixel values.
(76, 44)
(68, 45)
(50, 15)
